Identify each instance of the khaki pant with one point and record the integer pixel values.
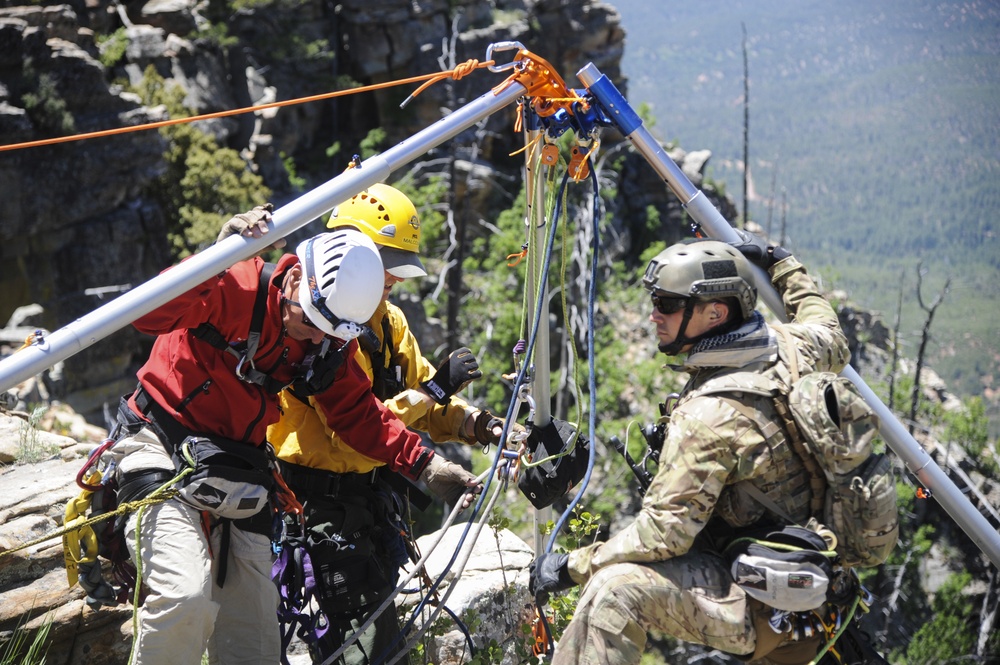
(692, 598)
(185, 611)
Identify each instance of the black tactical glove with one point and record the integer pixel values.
(457, 371)
(547, 574)
(757, 251)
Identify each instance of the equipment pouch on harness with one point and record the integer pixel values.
(351, 572)
(230, 480)
(556, 471)
(787, 569)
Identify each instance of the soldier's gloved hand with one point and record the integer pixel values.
(450, 482)
(757, 251)
(457, 371)
(99, 592)
(252, 223)
(547, 574)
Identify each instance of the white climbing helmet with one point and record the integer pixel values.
(342, 281)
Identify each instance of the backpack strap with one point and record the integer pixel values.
(245, 368)
(383, 384)
(755, 383)
(817, 479)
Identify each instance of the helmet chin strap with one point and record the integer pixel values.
(680, 341)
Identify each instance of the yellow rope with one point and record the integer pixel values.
(164, 493)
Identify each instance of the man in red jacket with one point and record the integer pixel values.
(223, 351)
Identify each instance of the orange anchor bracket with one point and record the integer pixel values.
(544, 85)
(540, 633)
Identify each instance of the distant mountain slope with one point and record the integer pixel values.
(884, 122)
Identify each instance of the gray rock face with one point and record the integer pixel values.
(33, 585)
(79, 215)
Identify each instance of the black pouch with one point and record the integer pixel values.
(553, 478)
(230, 479)
(350, 568)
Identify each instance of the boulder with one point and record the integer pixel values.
(490, 593)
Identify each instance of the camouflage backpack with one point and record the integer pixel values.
(831, 428)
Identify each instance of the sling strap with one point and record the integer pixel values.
(244, 351)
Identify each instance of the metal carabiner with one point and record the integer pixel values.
(240, 373)
(504, 46)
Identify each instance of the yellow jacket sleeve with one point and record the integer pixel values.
(440, 422)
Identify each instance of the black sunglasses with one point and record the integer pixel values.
(668, 304)
(305, 319)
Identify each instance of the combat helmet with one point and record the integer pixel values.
(702, 270)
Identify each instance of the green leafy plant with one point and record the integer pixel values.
(204, 184)
(112, 47)
(45, 106)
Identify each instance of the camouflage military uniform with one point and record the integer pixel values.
(662, 571)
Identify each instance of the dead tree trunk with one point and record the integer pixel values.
(924, 339)
(988, 614)
(770, 198)
(456, 225)
(783, 240)
(894, 365)
(746, 128)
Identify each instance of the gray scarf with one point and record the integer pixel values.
(752, 342)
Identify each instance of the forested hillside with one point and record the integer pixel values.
(877, 124)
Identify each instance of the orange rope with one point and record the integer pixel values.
(457, 73)
(530, 144)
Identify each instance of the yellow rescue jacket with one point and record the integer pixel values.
(302, 436)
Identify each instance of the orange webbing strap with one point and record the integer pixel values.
(540, 631)
(34, 338)
(456, 73)
(287, 502)
(518, 256)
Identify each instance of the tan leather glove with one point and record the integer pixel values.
(487, 428)
(252, 223)
(450, 482)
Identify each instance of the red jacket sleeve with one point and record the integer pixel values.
(365, 424)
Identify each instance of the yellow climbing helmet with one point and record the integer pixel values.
(389, 218)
